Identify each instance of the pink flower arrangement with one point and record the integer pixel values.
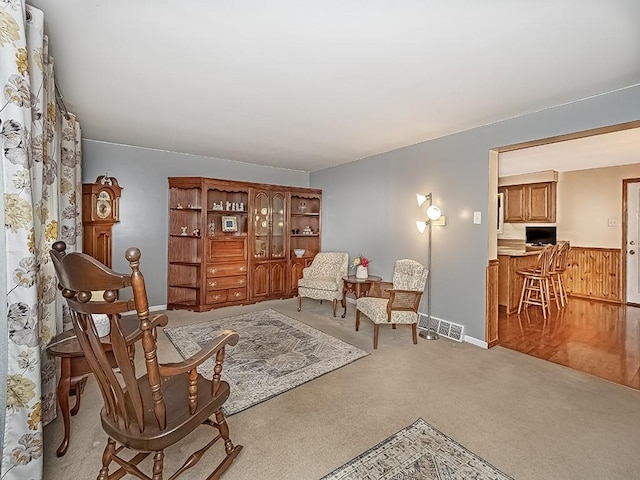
(360, 260)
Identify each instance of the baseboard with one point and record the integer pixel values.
(476, 342)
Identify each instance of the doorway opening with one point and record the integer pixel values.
(598, 337)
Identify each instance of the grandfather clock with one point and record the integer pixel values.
(99, 213)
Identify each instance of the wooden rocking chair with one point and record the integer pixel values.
(152, 412)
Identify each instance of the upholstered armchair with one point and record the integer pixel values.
(322, 280)
(409, 280)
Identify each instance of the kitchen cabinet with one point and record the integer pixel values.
(531, 203)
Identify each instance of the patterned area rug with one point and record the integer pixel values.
(275, 353)
(417, 452)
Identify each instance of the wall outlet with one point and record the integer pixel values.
(477, 218)
(613, 222)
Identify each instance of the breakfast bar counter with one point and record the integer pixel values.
(509, 282)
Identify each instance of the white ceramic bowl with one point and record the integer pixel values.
(299, 252)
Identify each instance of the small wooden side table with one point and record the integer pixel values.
(358, 286)
(74, 370)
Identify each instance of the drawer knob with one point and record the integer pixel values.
(242, 269)
(241, 281)
(213, 284)
(237, 294)
(212, 271)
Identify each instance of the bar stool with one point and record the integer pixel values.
(557, 272)
(536, 289)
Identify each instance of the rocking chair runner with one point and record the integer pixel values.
(156, 410)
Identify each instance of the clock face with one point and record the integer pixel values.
(103, 205)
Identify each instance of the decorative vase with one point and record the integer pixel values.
(362, 272)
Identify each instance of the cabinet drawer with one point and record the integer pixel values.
(227, 249)
(219, 283)
(223, 270)
(218, 296)
(234, 294)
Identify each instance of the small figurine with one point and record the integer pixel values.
(242, 206)
(183, 230)
(212, 229)
(228, 205)
(196, 232)
(188, 205)
(179, 205)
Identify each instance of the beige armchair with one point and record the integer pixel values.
(322, 280)
(409, 280)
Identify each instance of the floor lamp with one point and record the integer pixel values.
(433, 213)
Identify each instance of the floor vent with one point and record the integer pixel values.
(446, 329)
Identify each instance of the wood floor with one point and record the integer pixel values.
(598, 338)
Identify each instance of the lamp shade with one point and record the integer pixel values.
(421, 226)
(434, 212)
(421, 198)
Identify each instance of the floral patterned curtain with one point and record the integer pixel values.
(41, 193)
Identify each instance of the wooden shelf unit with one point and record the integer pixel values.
(305, 211)
(253, 261)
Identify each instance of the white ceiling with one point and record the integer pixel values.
(308, 85)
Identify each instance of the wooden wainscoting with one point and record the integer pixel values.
(491, 313)
(594, 273)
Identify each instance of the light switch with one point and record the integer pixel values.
(477, 218)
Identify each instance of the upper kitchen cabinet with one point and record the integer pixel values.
(530, 203)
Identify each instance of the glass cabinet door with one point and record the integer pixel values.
(278, 226)
(261, 220)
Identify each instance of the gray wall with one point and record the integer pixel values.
(369, 206)
(142, 173)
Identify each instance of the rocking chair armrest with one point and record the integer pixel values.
(228, 337)
(159, 320)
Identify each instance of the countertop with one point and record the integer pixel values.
(512, 252)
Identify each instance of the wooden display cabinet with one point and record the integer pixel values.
(269, 243)
(232, 242)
